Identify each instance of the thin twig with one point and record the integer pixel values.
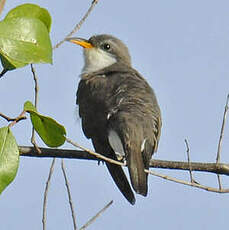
(101, 157)
(2, 4)
(78, 25)
(69, 195)
(190, 166)
(17, 119)
(3, 72)
(36, 90)
(36, 86)
(193, 184)
(96, 216)
(221, 139)
(46, 194)
(219, 181)
(7, 118)
(222, 130)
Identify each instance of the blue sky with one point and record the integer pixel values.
(182, 49)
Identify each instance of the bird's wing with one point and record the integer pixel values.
(90, 111)
(94, 127)
(136, 121)
(81, 101)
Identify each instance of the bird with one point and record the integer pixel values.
(119, 110)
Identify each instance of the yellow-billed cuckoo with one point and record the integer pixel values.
(119, 110)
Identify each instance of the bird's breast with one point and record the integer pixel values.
(93, 97)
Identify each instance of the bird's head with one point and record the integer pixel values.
(101, 51)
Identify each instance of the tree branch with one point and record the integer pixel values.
(16, 119)
(36, 91)
(69, 194)
(19, 118)
(44, 215)
(220, 168)
(192, 184)
(221, 139)
(96, 216)
(2, 4)
(78, 25)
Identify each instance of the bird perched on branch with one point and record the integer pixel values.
(119, 110)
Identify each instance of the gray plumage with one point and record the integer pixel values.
(117, 105)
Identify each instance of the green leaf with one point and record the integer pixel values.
(29, 107)
(24, 41)
(51, 132)
(9, 157)
(24, 37)
(31, 11)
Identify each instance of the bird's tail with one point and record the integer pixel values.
(137, 175)
(121, 181)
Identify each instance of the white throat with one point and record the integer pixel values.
(96, 59)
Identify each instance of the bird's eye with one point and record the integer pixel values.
(106, 46)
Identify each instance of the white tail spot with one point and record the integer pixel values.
(115, 142)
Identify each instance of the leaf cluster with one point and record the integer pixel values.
(24, 39)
